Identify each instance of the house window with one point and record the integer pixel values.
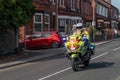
(38, 22)
(47, 22)
(74, 22)
(102, 10)
(72, 4)
(78, 4)
(87, 8)
(106, 12)
(62, 3)
(62, 25)
(97, 9)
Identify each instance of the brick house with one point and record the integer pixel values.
(60, 15)
(69, 13)
(87, 11)
(103, 13)
(119, 26)
(44, 18)
(114, 17)
(53, 15)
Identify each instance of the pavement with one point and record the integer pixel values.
(33, 55)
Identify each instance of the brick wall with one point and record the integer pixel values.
(86, 10)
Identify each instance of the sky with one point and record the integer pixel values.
(116, 3)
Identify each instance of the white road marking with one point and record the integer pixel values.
(102, 43)
(70, 67)
(55, 73)
(100, 55)
(116, 49)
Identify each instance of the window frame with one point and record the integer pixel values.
(78, 5)
(62, 3)
(72, 5)
(48, 21)
(62, 25)
(38, 22)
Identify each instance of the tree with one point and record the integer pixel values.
(13, 13)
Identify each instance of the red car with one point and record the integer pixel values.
(42, 39)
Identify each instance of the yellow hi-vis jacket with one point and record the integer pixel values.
(86, 33)
(80, 33)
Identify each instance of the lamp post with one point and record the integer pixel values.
(57, 16)
(93, 5)
(93, 21)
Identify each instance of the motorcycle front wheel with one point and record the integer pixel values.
(74, 65)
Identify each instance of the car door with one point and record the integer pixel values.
(46, 38)
(34, 41)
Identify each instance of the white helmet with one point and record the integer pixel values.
(79, 25)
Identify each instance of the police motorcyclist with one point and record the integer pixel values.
(81, 32)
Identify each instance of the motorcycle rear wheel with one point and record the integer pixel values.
(86, 62)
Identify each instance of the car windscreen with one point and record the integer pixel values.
(47, 34)
(59, 34)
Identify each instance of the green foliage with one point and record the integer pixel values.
(91, 29)
(86, 25)
(13, 13)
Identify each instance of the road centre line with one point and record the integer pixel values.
(69, 67)
(116, 49)
(55, 73)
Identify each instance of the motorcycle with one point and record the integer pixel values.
(78, 51)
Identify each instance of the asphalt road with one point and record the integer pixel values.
(104, 65)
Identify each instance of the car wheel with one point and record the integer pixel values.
(54, 44)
